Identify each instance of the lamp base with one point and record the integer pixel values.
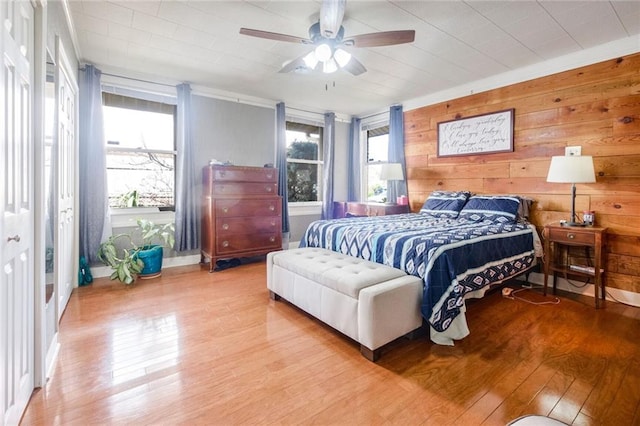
(575, 224)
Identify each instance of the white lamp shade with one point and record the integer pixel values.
(329, 66)
(310, 60)
(571, 169)
(323, 52)
(342, 57)
(391, 171)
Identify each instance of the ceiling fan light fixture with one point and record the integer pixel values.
(342, 57)
(323, 52)
(329, 66)
(310, 60)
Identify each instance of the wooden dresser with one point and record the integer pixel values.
(241, 212)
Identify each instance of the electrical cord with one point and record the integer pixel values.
(618, 301)
(606, 292)
(512, 295)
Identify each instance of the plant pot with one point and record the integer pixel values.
(152, 258)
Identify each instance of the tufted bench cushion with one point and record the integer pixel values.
(345, 274)
(371, 303)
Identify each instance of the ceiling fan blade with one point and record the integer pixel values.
(274, 36)
(295, 64)
(331, 15)
(355, 67)
(385, 38)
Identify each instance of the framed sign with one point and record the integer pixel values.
(480, 134)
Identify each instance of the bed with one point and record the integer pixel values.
(457, 244)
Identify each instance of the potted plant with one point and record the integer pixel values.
(130, 259)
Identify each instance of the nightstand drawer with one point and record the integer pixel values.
(572, 236)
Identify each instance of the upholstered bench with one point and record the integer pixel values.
(371, 303)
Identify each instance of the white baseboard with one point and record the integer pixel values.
(613, 294)
(167, 262)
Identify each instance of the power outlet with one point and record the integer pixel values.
(573, 151)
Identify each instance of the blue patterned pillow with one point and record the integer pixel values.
(502, 209)
(445, 203)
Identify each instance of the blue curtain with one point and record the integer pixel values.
(396, 188)
(187, 233)
(92, 169)
(354, 175)
(328, 139)
(281, 164)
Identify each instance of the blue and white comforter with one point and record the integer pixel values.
(453, 257)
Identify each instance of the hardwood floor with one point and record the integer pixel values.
(192, 347)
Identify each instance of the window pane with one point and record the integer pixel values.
(377, 152)
(302, 180)
(376, 188)
(378, 148)
(140, 179)
(302, 150)
(127, 128)
(304, 161)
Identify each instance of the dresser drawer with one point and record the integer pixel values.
(235, 207)
(242, 174)
(244, 188)
(228, 245)
(247, 225)
(572, 236)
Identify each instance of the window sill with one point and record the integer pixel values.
(127, 217)
(306, 208)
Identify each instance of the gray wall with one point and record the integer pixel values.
(245, 135)
(230, 131)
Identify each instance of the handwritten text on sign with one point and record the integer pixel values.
(476, 135)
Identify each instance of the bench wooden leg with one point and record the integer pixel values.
(273, 296)
(371, 355)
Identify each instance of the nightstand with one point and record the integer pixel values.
(349, 208)
(560, 259)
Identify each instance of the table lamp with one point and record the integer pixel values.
(572, 169)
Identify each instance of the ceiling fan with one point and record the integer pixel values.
(327, 35)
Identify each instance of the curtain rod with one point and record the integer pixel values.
(132, 78)
(374, 115)
(304, 110)
(139, 79)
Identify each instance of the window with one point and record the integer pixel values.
(377, 154)
(304, 161)
(140, 145)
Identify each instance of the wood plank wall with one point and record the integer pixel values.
(596, 107)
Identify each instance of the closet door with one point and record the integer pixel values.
(16, 201)
(66, 253)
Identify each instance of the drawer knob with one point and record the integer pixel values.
(273, 223)
(272, 239)
(15, 238)
(269, 176)
(272, 207)
(571, 236)
(269, 189)
(225, 244)
(225, 226)
(225, 210)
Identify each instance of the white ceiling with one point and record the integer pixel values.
(456, 42)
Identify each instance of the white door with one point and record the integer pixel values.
(16, 201)
(66, 258)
